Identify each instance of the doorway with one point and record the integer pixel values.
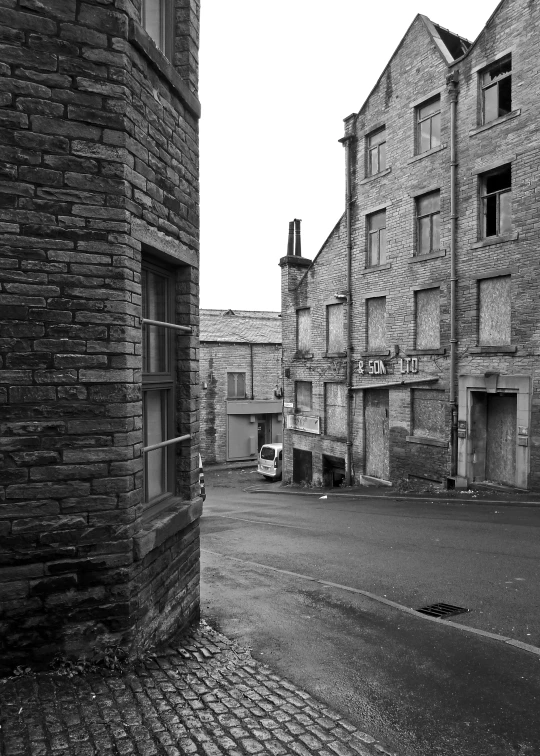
(493, 437)
(302, 467)
(377, 430)
(333, 469)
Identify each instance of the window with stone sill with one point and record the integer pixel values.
(236, 385)
(303, 331)
(158, 21)
(158, 384)
(376, 231)
(428, 125)
(335, 409)
(376, 152)
(303, 396)
(335, 341)
(428, 215)
(494, 311)
(428, 414)
(496, 88)
(376, 323)
(496, 202)
(428, 317)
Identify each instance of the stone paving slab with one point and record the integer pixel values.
(204, 696)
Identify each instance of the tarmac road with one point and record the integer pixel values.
(424, 688)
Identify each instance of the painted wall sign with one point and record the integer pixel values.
(306, 423)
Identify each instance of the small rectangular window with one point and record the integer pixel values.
(303, 330)
(496, 201)
(303, 398)
(236, 385)
(334, 329)
(335, 408)
(428, 214)
(376, 323)
(496, 84)
(158, 22)
(428, 413)
(376, 152)
(376, 223)
(428, 317)
(428, 125)
(494, 311)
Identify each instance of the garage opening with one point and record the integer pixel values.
(333, 469)
(302, 467)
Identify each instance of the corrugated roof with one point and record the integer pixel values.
(240, 326)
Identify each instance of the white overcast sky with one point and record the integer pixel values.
(276, 81)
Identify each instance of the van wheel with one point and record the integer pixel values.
(268, 477)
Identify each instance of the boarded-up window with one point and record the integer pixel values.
(334, 328)
(303, 396)
(428, 317)
(376, 323)
(494, 311)
(236, 385)
(428, 413)
(303, 330)
(335, 407)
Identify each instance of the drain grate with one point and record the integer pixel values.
(442, 610)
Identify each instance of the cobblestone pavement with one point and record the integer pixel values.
(205, 696)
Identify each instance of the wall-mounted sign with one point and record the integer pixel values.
(378, 367)
(408, 365)
(288, 405)
(306, 423)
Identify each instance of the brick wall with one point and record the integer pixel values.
(216, 360)
(98, 165)
(416, 72)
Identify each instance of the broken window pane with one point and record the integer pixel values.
(494, 311)
(497, 90)
(428, 319)
(497, 202)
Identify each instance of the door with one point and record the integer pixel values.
(493, 437)
(377, 430)
(241, 438)
(302, 466)
(261, 434)
(501, 438)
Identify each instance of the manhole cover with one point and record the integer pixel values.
(442, 610)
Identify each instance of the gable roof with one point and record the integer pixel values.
(240, 326)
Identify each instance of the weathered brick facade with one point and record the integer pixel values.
(389, 439)
(246, 343)
(98, 169)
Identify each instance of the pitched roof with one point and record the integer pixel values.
(240, 326)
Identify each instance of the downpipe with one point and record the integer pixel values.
(452, 83)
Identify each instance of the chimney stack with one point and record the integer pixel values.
(290, 242)
(297, 240)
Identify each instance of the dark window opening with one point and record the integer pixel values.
(496, 84)
(496, 200)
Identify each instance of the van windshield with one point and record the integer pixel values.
(267, 452)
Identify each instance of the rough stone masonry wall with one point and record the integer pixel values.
(216, 360)
(98, 158)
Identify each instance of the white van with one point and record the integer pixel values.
(271, 461)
